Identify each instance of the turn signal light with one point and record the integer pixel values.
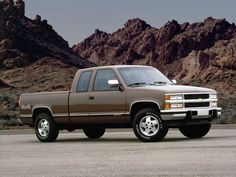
(167, 106)
(167, 97)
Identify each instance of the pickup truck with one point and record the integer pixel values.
(123, 96)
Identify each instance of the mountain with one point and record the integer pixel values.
(33, 57)
(202, 53)
(30, 50)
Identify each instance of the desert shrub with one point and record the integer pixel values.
(9, 114)
(228, 106)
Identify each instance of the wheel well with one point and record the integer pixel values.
(141, 105)
(37, 111)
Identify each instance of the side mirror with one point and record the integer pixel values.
(174, 81)
(113, 83)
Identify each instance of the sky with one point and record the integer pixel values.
(76, 20)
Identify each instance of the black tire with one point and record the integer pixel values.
(195, 131)
(148, 126)
(165, 131)
(94, 132)
(70, 129)
(46, 129)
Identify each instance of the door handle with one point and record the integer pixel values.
(91, 97)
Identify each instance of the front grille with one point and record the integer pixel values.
(199, 104)
(196, 96)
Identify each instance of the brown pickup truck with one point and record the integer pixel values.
(138, 97)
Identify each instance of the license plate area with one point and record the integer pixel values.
(203, 113)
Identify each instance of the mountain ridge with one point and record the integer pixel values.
(199, 46)
(25, 41)
(34, 57)
(200, 54)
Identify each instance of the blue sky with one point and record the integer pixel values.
(77, 19)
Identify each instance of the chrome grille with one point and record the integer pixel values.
(198, 104)
(196, 96)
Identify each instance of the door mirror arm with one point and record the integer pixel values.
(115, 84)
(121, 88)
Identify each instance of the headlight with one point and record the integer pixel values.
(213, 96)
(173, 105)
(176, 105)
(174, 97)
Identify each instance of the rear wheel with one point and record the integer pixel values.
(195, 131)
(148, 126)
(46, 129)
(94, 132)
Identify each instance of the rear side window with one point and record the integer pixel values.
(83, 83)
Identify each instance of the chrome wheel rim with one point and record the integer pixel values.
(43, 128)
(149, 125)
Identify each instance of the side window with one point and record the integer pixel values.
(101, 79)
(83, 83)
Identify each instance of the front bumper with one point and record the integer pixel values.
(191, 114)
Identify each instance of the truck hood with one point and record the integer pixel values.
(174, 89)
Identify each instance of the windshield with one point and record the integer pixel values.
(140, 76)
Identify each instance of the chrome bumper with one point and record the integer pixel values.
(191, 114)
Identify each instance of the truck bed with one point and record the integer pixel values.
(56, 102)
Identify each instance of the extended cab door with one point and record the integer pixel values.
(106, 104)
(79, 98)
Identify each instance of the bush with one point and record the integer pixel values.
(9, 114)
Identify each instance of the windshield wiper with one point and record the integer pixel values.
(158, 82)
(137, 84)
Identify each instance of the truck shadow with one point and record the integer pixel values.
(130, 140)
(87, 140)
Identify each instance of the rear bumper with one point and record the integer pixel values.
(191, 114)
(27, 119)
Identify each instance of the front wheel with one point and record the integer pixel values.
(94, 132)
(46, 129)
(195, 131)
(148, 126)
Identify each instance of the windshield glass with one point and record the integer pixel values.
(140, 76)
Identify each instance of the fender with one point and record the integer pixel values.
(144, 101)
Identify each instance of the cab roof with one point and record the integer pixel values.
(115, 66)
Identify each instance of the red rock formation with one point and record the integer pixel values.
(4, 85)
(20, 6)
(24, 43)
(183, 51)
(33, 57)
(202, 53)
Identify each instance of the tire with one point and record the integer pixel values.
(148, 126)
(70, 129)
(195, 131)
(46, 129)
(165, 131)
(94, 132)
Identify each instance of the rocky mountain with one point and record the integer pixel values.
(202, 53)
(33, 57)
(27, 43)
